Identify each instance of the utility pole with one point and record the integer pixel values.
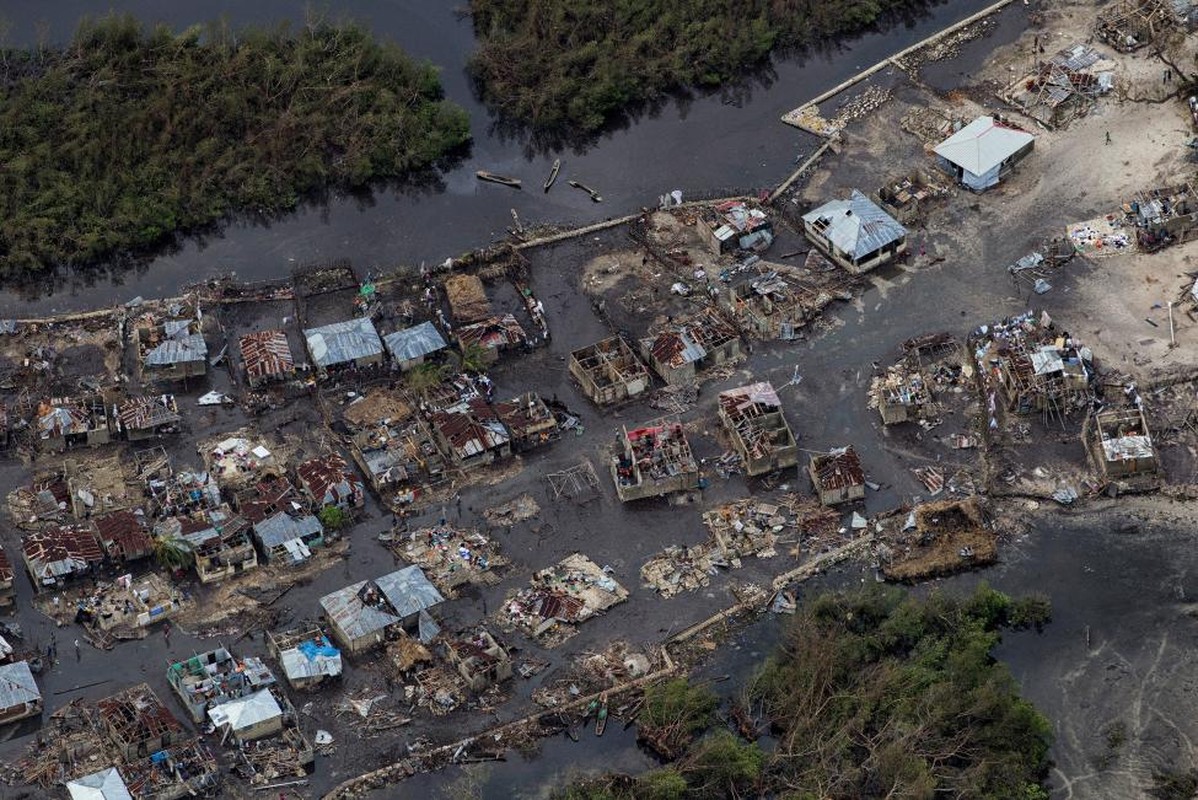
(1172, 336)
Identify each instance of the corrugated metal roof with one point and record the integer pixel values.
(982, 145)
(402, 593)
(744, 397)
(471, 427)
(676, 348)
(6, 571)
(342, 342)
(61, 551)
(282, 527)
(148, 411)
(855, 226)
(307, 660)
(181, 350)
(107, 784)
(124, 534)
(414, 342)
(1127, 448)
(246, 712)
(493, 332)
(266, 354)
(329, 479)
(17, 686)
(409, 590)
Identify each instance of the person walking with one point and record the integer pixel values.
(1108, 137)
(78, 652)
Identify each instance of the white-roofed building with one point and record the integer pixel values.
(107, 784)
(983, 151)
(251, 717)
(855, 233)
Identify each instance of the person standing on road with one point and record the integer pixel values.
(78, 652)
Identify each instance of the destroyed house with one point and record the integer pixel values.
(342, 345)
(65, 421)
(908, 197)
(398, 457)
(138, 724)
(467, 298)
(470, 434)
(609, 371)
(1128, 25)
(185, 770)
(1162, 217)
(529, 420)
(409, 347)
(983, 152)
(266, 356)
(1063, 87)
(57, 555)
(217, 539)
(288, 537)
(732, 225)
(252, 716)
(267, 497)
(124, 536)
(770, 306)
(19, 695)
(8, 595)
(837, 476)
(307, 657)
(654, 460)
(682, 348)
(902, 394)
(753, 417)
(368, 613)
(181, 493)
(144, 417)
(1033, 366)
(493, 335)
(1123, 444)
(855, 233)
(205, 681)
(480, 659)
(173, 350)
(328, 481)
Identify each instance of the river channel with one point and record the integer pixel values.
(731, 141)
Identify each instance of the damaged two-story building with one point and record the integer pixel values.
(681, 348)
(654, 460)
(754, 420)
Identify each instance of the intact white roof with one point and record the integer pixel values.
(982, 145)
(245, 712)
(107, 784)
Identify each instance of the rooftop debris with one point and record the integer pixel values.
(560, 597)
(125, 605)
(142, 415)
(935, 539)
(1122, 442)
(98, 484)
(307, 656)
(235, 460)
(837, 476)
(1128, 25)
(493, 334)
(908, 197)
(467, 298)
(753, 417)
(81, 420)
(59, 554)
(328, 481)
(680, 348)
(451, 557)
(207, 680)
(1063, 87)
(267, 497)
(654, 460)
(529, 420)
(1033, 365)
(137, 722)
(266, 356)
(479, 658)
(733, 225)
(366, 613)
(907, 391)
(1162, 217)
(471, 433)
(775, 301)
(172, 345)
(609, 371)
(217, 540)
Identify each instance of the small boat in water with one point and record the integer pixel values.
(502, 180)
(557, 167)
(594, 195)
(601, 720)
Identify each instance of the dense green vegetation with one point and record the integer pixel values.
(130, 134)
(573, 66)
(871, 694)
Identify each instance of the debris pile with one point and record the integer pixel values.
(560, 597)
(451, 557)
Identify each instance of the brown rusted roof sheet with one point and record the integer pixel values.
(148, 411)
(470, 428)
(6, 572)
(328, 477)
(61, 550)
(124, 535)
(266, 354)
(839, 469)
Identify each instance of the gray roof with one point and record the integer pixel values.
(17, 686)
(856, 226)
(343, 342)
(982, 145)
(414, 342)
(298, 664)
(246, 712)
(178, 351)
(406, 592)
(107, 784)
(282, 527)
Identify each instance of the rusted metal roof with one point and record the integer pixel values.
(526, 415)
(329, 480)
(470, 428)
(266, 497)
(493, 333)
(839, 469)
(124, 535)
(144, 412)
(266, 354)
(6, 572)
(61, 551)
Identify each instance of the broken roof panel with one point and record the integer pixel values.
(17, 686)
(124, 535)
(471, 427)
(246, 712)
(179, 350)
(403, 593)
(266, 354)
(329, 480)
(754, 394)
(342, 342)
(310, 659)
(61, 551)
(282, 527)
(493, 333)
(143, 412)
(983, 145)
(415, 342)
(856, 226)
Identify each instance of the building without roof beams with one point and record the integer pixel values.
(837, 476)
(754, 419)
(655, 460)
(480, 659)
(8, 595)
(494, 335)
(855, 233)
(368, 613)
(58, 555)
(138, 723)
(341, 345)
(206, 680)
(1123, 444)
(1163, 217)
(328, 481)
(409, 347)
(19, 695)
(266, 356)
(983, 152)
(1032, 365)
(471, 433)
(902, 394)
(609, 371)
(146, 416)
(732, 225)
(682, 348)
(529, 420)
(69, 421)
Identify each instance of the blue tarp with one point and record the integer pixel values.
(311, 649)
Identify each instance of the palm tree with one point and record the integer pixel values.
(172, 552)
(474, 358)
(425, 377)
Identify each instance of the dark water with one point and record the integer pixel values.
(713, 143)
